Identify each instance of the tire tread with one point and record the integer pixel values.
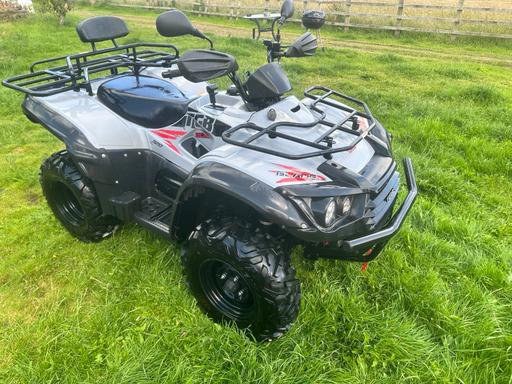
(261, 254)
(60, 166)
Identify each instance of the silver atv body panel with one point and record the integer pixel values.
(106, 130)
(150, 173)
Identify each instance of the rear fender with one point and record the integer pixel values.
(75, 141)
(91, 162)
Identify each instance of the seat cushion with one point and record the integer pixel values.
(144, 100)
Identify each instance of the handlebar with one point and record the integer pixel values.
(274, 50)
(171, 73)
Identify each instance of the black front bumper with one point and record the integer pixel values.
(368, 247)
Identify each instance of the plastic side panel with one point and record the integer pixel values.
(102, 127)
(248, 190)
(270, 170)
(56, 124)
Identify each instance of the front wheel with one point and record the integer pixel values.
(238, 273)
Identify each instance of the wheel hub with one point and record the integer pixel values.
(233, 287)
(227, 290)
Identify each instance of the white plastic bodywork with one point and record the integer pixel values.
(106, 130)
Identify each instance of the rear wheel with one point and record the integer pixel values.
(238, 273)
(73, 200)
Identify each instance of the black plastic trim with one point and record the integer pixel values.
(344, 243)
(270, 204)
(113, 172)
(365, 242)
(372, 178)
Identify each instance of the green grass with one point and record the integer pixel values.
(435, 307)
(440, 43)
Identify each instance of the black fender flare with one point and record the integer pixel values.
(271, 205)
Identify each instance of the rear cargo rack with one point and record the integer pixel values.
(73, 72)
(322, 144)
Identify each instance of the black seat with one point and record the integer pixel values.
(144, 100)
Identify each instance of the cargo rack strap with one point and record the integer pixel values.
(322, 144)
(75, 73)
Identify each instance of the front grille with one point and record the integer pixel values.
(379, 207)
(378, 172)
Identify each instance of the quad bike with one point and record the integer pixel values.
(237, 177)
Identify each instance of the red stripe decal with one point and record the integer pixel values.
(172, 146)
(169, 136)
(201, 135)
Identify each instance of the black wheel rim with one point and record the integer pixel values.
(67, 205)
(227, 290)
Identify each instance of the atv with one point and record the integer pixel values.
(237, 177)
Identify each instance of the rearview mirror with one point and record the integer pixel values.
(305, 45)
(287, 10)
(174, 23)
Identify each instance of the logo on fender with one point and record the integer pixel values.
(291, 174)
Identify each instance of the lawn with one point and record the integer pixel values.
(435, 307)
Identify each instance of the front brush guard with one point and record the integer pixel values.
(366, 248)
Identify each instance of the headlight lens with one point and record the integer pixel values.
(326, 211)
(346, 205)
(330, 212)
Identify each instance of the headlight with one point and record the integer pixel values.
(345, 205)
(327, 211)
(330, 213)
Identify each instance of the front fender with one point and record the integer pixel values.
(262, 198)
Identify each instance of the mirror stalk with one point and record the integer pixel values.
(209, 41)
(240, 88)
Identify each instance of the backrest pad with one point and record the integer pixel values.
(101, 28)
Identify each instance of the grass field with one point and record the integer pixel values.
(435, 307)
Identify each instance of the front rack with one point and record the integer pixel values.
(323, 144)
(75, 71)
